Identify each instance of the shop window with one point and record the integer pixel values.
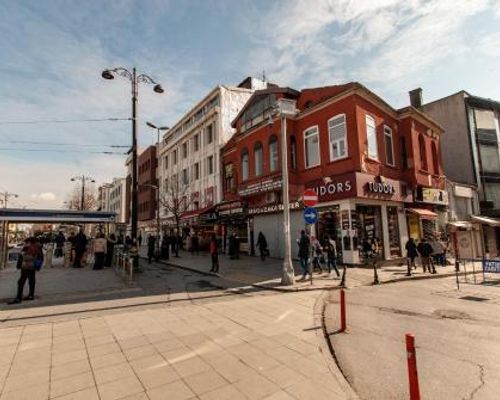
(435, 161)
(338, 137)
(311, 146)
(423, 154)
(369, 231)
(393, 227)
(389, 146)
(257, 154)
(293, 152)
(273, 154)
(371, 137)
(244, 165)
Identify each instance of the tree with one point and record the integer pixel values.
(74, 199)
(174, 201)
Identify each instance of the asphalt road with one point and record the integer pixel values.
(456, 332)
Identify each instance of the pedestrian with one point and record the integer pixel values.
(438, 252)
(165, 247)
(331, 252)
(140, 240)
(59, 241)
(194, 244)
(71, 239)
(80, 242)
(99, 247)
(304, 249)
(214, 253)
(317, 254)
(425, 251)
(262, 246)
(411, 254)
(30, 260)
(151, 248)
(110, 250)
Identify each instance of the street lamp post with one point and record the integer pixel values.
(135, 80)
(286, 108)
(157, 187)
(82, 178)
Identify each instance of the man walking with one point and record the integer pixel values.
(425, 250)
(411, 254)
(304, 250)
(214, 254)
(151, 247)
(80, 246)
(262, 246)
(331, 253)
(29, 260)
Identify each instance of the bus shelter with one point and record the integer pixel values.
(26, 216)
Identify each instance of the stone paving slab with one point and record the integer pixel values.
(249, 348)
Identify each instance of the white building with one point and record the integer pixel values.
(103, 197)
(118, 198)
(190, 150)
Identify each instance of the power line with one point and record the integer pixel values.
(63, 121)
(116, 146)
(60, 151)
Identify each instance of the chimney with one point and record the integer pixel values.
(416, 97)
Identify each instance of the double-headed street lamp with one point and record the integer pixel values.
(84, 179)
(135, 80)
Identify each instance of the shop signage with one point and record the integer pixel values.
(271, 208)
(433, 196)
(235, 207)
(333, 188)
(310, 215)
(491, 266)
(381, 188)
(260, 187)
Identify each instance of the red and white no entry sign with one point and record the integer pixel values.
(310, 198)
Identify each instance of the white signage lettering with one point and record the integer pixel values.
(333, 187)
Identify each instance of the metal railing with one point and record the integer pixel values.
(123, 263)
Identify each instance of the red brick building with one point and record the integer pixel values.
(146, 206)
(377, 171)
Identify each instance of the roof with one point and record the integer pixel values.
(476, 101)
(412, 110)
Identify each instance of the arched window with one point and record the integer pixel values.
(244, 164)
(257, 154)
(435, 161)
(293, 152)
(423, 155)
(273, 154)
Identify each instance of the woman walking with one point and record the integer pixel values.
(31, 259)
(100, 246)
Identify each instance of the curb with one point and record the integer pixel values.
(326, 348)
(434, 276)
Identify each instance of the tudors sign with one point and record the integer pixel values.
(382, 188)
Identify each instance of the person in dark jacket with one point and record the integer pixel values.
(195, 243)
(262, 245)
(304, 253)
(59, 240)
(331, 252)
(80, 247)
(411, 254)
(214, 254)
(151, 247)
(165, 247)
(26, 263)
(425, 251)
(110, 250)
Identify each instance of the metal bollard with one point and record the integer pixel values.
(412, 367)
(342, 281)
(343, 324)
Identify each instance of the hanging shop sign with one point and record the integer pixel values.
(431, 196)
(271, 208)
(268, 185)
(234, 207)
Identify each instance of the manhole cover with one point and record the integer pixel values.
(474, 298)
(451, 314)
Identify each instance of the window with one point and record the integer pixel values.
(228, 177)
(165, 162)
(244, 165)
(210, 133)
(389, 146)
(293, 152)
(197, 171)
(257, 154)
(423, 154)
(184, 150)
(338, 137)
(185, 176)
(404, 153)
(210, 165)
(273, 154)
(311, 144)
(196, 142)
(435, 161)
(371, 137)
(174, 157)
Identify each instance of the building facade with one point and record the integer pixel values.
(377, 171)
(189, 157)
(117, 199)
(103, 197)
(471, 155)
(146, 205)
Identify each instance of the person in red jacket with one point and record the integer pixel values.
(214, 253)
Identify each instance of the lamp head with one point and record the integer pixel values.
(107, 74)
(158, 88)
(151, 125)
(164, 128)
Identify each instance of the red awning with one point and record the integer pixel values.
(195, 213)
(423, 213)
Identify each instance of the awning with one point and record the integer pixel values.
(460, 224)
(423, 213)
(486, 220)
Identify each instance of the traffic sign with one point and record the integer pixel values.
(310, 215)
(310, 198)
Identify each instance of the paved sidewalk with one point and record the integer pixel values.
(252, 347)
(249, 270)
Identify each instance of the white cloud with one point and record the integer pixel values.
(47, 196)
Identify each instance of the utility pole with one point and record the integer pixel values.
(5, 228)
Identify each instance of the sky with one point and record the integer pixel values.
(53, 52)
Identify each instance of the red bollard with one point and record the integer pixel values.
(412, 367)
(343, 324)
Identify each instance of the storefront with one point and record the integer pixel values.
(232, 218)
(361, 211)
(427, 216)
(491, 234)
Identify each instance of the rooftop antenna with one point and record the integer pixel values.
(264, 78)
